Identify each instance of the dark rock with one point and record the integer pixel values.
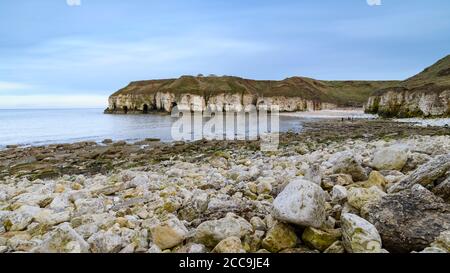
(12, 146)
(443, 190)
(107, 141)
(409, 220)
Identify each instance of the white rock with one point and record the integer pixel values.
(4, 215)
(258, 224)
(87, 230)
(64, 239)
(50, 218)
(22, 242)
(359, 236)
(3, 196)
(21, 218)
(129, 248)
(200, 200)
(106, 242)
(338, 194)
(210, 233)
(33, 199)
(264, 186)
(3, 249)
(196, 248)
(60, 203)
(154, 249)
(89, 206)
(390, 158)
(302, 203)
(140, 181)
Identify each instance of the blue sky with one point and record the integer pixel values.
(56, 55)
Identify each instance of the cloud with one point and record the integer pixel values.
(72, 53)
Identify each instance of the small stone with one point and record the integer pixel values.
(22, 242)
(338, 194)
(340, 179)
(192, 248)
(59, 188)
(253, 242)
(129, 248)
(107, 141)
(375, 179)
(12, 146)
(89, 206)
(320, 239)
(229, 245)
(279, 237)
(169, 234)
(346, 162)
(359, 236)
(106, 241)
(336, 247)
(443, 241)
(3, 249)
(154, 249)
(258, 224)
(359, 197)
(264, 186)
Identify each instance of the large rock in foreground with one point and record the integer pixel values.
(302, 203)
(410, 220)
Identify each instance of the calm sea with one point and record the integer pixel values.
(42, 127)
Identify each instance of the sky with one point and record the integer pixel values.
(75, 53)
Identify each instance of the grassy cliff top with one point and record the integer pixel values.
(435, 78)
(343, 93)
(437, 74)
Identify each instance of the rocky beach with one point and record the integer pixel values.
(336, 187)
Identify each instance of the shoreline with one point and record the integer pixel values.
(333, 115)
(228, 196)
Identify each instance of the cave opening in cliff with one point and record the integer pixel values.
(114, 106)
(145, 109)
(174, 104)
(125, 109)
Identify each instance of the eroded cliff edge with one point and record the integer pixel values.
(233, 93)
(425, 95)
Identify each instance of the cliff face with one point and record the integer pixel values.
(223, 103)
(424, 95)
(411, 103)
(235, 94)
